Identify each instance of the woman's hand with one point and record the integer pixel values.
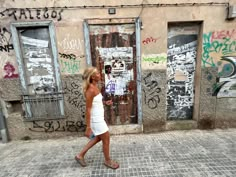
(88, 132)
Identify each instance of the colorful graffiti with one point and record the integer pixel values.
(151, 91)
(70, 66)
(155, 58)
(33, 14)
(58, 126)
(9, 70)
(154, 61)
(226, 86)
(219, 42)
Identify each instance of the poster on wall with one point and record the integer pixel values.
(117, 72)
(38, 61)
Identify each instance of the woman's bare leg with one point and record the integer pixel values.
(105, 137)
(90, 144)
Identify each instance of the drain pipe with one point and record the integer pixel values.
(3, 128)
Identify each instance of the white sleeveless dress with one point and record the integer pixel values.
(98, 124)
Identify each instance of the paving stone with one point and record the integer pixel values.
(193, 153)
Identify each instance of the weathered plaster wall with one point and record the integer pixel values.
(207, 101)
(225, 113)
(154, 100)
(10, 89)
(72, 124)
(216, 32)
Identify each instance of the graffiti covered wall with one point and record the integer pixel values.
(154, 98)
(181, 62)
(71, 49)
(218, 55)
(219, 50)
(167, 70)
(8, 66)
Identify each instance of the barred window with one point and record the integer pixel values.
(36, 52)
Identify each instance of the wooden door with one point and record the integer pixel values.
(113, 52)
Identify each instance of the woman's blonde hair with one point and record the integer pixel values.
(88, 72)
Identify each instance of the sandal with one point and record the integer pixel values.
(112, 164)
(80, 161)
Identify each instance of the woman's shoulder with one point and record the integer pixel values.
(91, 91)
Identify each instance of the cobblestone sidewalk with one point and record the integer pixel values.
(192, 153)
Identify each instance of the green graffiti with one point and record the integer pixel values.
(224, 46)
(156, 59)
(226, 70)
(70, 66)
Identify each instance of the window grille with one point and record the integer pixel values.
(43, 106)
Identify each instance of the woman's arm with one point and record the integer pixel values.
(89, 100)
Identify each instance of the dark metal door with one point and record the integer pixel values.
(181, 64)
(113, 52)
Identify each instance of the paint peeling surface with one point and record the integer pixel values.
(113, 53)
(181, 63)
(38, 60)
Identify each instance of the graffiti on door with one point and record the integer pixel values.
(182, 49)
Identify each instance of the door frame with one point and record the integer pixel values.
(19, 58)
(137, 22)
(197, 75)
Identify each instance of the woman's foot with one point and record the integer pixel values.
(81, 161)
(111, 164)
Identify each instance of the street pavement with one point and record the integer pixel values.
(194, 153)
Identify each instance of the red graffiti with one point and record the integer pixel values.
(149, 40)
(223, 34)
(9, 69)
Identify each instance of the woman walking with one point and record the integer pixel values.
(97, 129)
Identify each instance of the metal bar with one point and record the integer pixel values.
(87, 44)
(3, 128)
(138, 65)
(44, 106)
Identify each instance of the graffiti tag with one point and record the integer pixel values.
(31, 14)
(150, 40)
(151, 92)
(9, 70)
(5, 37)
(57, 126)
(75, 96)
(222, 42)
